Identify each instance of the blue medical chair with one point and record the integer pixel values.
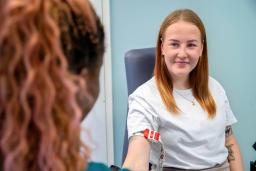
(139, 66)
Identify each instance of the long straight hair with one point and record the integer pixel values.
(199, 75)
(39, 113)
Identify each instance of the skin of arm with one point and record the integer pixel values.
(234, 154)
(138, 154)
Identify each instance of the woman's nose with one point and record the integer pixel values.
(182, 53)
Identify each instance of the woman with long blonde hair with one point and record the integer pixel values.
(184, 104)
(50, 57)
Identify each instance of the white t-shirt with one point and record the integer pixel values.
(191, 139)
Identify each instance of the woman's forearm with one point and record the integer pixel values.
(234, 154)
(138, 154)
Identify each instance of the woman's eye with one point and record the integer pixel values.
(191, 45)
(174, 44)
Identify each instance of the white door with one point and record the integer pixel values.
(98, 127)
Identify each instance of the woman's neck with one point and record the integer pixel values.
(181, 83)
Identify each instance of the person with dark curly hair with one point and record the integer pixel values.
(51, 52)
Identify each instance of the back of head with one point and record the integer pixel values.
(44, 44)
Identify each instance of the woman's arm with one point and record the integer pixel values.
(138, 154)
(234, 154)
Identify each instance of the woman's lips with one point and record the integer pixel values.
(181, 63)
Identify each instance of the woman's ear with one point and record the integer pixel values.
(88, 95)
(84, 73)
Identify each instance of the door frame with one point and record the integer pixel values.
(108, 82)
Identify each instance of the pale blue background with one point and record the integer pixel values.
(231, 29)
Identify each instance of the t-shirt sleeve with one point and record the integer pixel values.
(221, 97)
(141, 115)
(230, 117)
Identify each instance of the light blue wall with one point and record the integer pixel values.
(231, 29)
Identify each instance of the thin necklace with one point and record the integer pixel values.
(191, 101)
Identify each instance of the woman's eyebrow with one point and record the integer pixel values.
(173, 40)
(189, 41)
(193, 40)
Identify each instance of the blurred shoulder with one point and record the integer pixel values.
(95, 166)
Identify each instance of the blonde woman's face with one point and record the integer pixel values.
(181, 47)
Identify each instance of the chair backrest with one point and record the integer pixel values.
(139, 65)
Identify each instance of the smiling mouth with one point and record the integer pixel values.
(182, 62)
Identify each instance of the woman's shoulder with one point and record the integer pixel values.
(214, 84)
(216, 88)
(146, 89)
(95, 166)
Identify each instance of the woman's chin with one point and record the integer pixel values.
(180, 74)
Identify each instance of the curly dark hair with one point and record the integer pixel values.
(44, 44)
